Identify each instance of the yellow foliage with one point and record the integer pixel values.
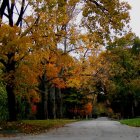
(74, 82)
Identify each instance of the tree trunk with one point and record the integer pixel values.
(10, 86)
(43, 106)
(133, 112)
(11, 103)
(52, 103)
(59, 103)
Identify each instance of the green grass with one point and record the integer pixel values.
(131, 122)
(32, 126)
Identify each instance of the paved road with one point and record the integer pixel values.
(99, 129)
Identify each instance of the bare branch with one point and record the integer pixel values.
(22, 10)
(3, 7)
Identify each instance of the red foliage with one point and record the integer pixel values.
(34, 109)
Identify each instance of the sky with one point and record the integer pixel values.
(135, 16)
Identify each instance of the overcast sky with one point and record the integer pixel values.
(135, 16)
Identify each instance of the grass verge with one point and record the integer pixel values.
(131, 122)
(31, 126)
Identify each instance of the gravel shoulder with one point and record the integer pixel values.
(99, 129)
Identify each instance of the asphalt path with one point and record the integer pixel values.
(99, 129)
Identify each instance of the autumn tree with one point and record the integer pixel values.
(58, 60)
(102, 18)
(99, 19)
(15, 45)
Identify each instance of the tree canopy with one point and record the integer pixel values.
(47, 46)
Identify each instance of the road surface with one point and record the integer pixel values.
(99, 129)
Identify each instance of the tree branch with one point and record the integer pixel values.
(22, 10)
(3, 7)
(99, 5)
(10, 12)
(30, 28)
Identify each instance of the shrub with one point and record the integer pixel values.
(3, 103)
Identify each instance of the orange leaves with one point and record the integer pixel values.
(11, 42)
(74, 80)
(25, 78)
(52, 70)
(8, 39)
(33, 96)
(79, 74)
(88, 108)
(57, 66)
(53, 73)
(59, 82)
(65, 60)
(82, 110)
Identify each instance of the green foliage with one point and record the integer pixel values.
(23, 107)
(123, 87)
(100, 110)
(3, 103)
(120, 77)
(76, 103)
(136, 46)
